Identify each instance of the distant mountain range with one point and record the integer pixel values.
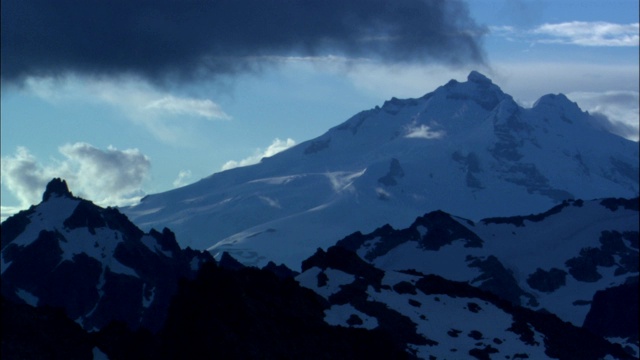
(466, 148)
(390, 287)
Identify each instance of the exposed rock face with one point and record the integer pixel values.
(614, 312)
(547, 281)
(613, 245)
(56, 187)
(497, 279)
(395, 173)
(431, 232)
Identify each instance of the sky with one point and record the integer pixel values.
(128, 98)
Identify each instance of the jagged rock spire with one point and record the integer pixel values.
(56, 186)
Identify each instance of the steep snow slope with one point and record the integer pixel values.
(466, 148)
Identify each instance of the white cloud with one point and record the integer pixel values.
(139, 102)
(186, 106)
(527, 81)
(590, 33)
(582, 33)
(183, 178)
(276, 146)
(619, 108)
(107, 177)
(423, 132)
(23, 177)
(324, 59)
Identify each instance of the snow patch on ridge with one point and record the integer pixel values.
(28, 297)
(102, 248)
(49, 215)
(271, 202)
(278, 180)
(339, 315)
(423, 132)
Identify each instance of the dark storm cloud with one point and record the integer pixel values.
(173, 39)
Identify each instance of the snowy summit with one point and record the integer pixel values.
(466, 148)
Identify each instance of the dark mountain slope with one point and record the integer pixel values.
(92, 262)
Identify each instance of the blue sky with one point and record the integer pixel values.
(117, 136)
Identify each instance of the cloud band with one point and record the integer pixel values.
(176, 40)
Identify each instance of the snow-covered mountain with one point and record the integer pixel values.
(444, 287)
(92, 262)
(579, 260)
(436, 318)
(466, 148)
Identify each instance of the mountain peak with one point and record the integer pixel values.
(559, 104)
(555, 100)
(476, 77)
(478, 88)
(58, 187)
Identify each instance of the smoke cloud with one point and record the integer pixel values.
(168, 40)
